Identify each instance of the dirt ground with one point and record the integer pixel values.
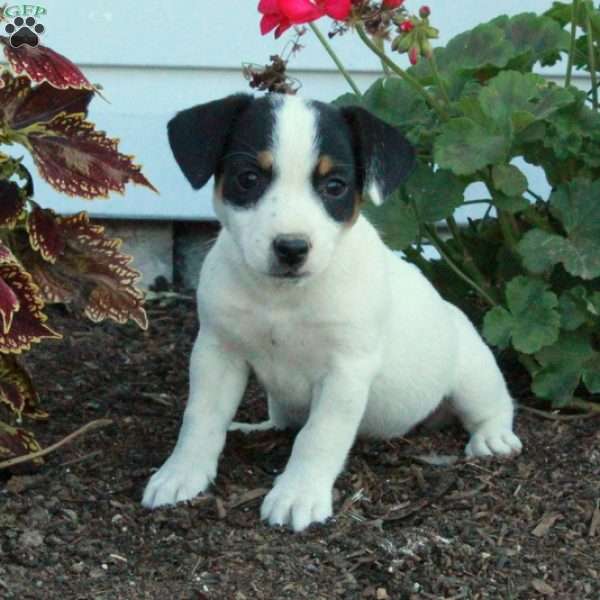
(412, 518)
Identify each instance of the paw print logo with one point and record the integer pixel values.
(24, 31)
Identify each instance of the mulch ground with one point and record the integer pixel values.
(413, 519)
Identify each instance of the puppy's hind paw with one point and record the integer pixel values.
(175, 482)
(501, 442)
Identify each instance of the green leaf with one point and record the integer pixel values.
(530, 321)
(509, 180)
(436, 194)
(541, 250)
(577, 207)
(464, 147)
(564, 364)
(533, 38)
(395, 220)
(347, 100)
(396, 102)
(483, 46)
(513, 99)
(573, 306)
(512, 204)
(497, 327)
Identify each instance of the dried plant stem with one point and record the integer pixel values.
(586, 405)
(97, 424)
(554, 417)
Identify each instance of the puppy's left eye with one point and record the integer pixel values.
(334, 188)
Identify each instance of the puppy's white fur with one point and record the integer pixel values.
(363, 344)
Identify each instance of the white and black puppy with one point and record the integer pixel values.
(346, 337)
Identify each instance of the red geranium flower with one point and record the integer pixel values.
(282, 14)
(272, 17)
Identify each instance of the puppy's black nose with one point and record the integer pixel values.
(291, 250)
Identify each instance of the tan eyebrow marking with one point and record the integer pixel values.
(324, 165)
(265, 160)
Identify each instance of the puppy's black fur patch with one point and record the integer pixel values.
(335, 142)
(383, 155)
(198, 136)
(251, 137)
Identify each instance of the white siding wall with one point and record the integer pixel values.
(154, 58)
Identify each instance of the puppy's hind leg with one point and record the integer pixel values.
(277, 420)
(480, 397)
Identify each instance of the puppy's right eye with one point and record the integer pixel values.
(247, 180)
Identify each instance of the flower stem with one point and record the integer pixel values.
(438, 78)
(380, 44)
(592, 56)
(440, 110)
(574, 7)
(336, 60)
(441, 247)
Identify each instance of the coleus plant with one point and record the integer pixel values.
(528, 270)
(45, 257)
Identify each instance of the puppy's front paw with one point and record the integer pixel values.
(175, 481)
(492, 441)
(297, 503)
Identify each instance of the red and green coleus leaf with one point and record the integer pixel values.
(44, 65)
(17, 390)
(12, 203)
(22, 104)
(22, 319)
(89, 271)
(78, 160)
(69, 152)
(45, 235)
(15, 441)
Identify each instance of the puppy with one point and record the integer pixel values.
(346, 337)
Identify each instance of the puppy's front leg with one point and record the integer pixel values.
(303, 492)
(217, 382)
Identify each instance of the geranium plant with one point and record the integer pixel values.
(44, 257)
(528, 270)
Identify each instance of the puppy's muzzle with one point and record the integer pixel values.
(291, 250)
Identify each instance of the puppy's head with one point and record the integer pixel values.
(290, 174)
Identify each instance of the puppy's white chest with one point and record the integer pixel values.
(287, 348)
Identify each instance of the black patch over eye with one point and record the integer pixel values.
(338, 197)
(244, 184)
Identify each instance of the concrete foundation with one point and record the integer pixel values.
(169, 252)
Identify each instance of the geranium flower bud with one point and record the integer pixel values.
(407, 26)
(413, 55)
(424, 12)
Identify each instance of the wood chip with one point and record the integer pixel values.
(248, 497)
(221, 512)
(542, 587)
(437, 460)
(595, 522)
(545, 524)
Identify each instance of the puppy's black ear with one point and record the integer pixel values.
(199, 134)
(383, 155)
